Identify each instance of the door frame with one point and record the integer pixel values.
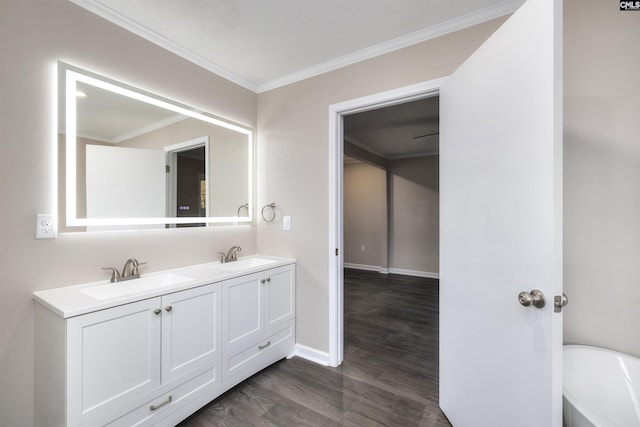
(171, 151)
(336, 181)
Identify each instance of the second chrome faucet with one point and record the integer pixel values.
(231, 255)
(129, 271)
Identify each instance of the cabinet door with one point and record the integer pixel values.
(190, 324)
(280, 295)
(243, 301)
(113, 358)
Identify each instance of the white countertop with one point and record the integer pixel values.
(74, 300)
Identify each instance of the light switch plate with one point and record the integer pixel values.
(286, 223)
(46, 227)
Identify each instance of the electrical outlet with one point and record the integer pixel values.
(363, 248)
(46, 227)
(286, 223)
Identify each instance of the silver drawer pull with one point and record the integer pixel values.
(154, 407)
(262, 347)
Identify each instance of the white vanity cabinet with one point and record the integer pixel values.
(124, 365)
(155, 358)
(258, 321)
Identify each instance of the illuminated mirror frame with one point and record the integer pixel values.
(71, 78)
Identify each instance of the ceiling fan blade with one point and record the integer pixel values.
(425, 135)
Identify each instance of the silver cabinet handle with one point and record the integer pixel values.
(157, 311)
(262, 281)
(154, 407)
(268, 279)
(262, 347)
(535, 298)
(168, 308)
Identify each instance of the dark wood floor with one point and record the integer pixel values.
(389, 376)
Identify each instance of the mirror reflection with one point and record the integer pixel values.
(135, 160)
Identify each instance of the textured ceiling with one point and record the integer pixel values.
(261, 44)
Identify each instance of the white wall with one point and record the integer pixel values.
(414, 216)
(407, 242)
(602, 175)
(365, 216)
(34, 34)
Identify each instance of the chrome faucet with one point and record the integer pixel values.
(130, 266)
(129, 271)
(231, 255)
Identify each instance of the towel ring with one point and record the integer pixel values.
(272, 206)
(245, 206)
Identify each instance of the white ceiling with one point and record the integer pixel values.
(263, 44)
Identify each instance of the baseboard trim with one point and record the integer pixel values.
(365, 267)
(382, 270)
(414, 273)
(312, 354)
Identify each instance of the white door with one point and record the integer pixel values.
(280, 298)
(501, 226)
(190, 324)
(125, 182)
(243, 322)
(113, 358)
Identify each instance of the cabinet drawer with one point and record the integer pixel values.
(207, 383)
(251, 359)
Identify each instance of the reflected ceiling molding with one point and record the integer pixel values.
(154, 126)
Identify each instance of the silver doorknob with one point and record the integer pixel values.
(535, 298)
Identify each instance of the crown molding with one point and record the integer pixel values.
(415, 155)
(456, 24)
(364, 146)
(149, 128)
(147, 34)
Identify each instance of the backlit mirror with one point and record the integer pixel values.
(137, 160)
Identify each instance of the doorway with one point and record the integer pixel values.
(390, 194)
(337, 112)
(187, 183)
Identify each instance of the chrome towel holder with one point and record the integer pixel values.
(245, 206)
(271, 206)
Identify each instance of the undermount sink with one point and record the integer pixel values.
(243, 263)
(113, 290)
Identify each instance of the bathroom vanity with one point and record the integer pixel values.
(153, 350)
